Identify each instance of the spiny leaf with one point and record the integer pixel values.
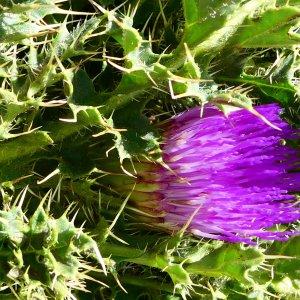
(20, 21)
(276, 81)
(68, 44)
(23, 145)
(209, 25)
(229, 260)
(43, 253)
(139, 137)
(270, 29)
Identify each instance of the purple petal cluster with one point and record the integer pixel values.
(232, 178)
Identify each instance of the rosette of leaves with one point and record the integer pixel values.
(42, 257)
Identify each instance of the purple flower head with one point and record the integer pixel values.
(230, 178)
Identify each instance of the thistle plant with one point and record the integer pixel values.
(88, 90)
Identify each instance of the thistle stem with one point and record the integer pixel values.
(134, 255)
(148, 283)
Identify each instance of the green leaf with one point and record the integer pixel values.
(203, 17)
(69, 44)
(10, 108)
(123, 31)
(84, 93)
(138, 137)
(76, 161)
(23, 145)
(16, 169)
(229, 260)
(270, 29)
(287, 269)
(282, 91)
(12, 228)
(200, 251)
(14, 28)
(46, 77)
(289, 266)
(210, 24)
(277, 82)
(43, 254)
(83, 100)
(20, 21)
(288, 288)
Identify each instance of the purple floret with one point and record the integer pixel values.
(235, 170)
